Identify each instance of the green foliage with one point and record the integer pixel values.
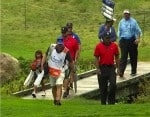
(144, 92)
(13, 86)
(85, 66)
(24, 64)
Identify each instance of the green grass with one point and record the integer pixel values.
(16, 107)
(24, 32)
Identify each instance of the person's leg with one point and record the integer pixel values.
(72, 77)
(43, 87)
(103, 90)
(58, 94)
(43, 84)
(112, 86)
(59, 83)
(103, 81)
(66, 83)
(35, 87)
(71, 80)
(133, 53)
(66, 88)
(54, 89)
(98, 78)
(34, 91)
(124, 56)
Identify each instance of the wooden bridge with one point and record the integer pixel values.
(88, 84)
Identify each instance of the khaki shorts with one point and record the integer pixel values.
(57, 81)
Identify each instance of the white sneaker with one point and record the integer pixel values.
(33, 95)
(43, 93)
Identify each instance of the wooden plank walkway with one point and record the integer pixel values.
(90, 84)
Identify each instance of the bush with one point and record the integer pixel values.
(24, 64)
(144, 92)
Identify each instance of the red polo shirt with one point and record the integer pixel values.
(105, 53)
(72, 45)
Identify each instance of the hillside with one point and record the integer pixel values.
(28, 25)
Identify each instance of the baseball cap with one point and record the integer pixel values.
(69, 24)
(64, 29)
(106, 35)
(59, 40)
(126, 11)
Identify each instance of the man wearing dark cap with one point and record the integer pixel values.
(69, 25)
(56, 62)
(104, 53)
(107, 27)
(72, 45)
(129, 34)
(64, 30)
(73, 35)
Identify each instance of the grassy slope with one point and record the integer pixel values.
(44, 19)
(43, 22)
(13, 107)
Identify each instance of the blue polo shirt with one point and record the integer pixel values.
(102, 31)
(75, 36)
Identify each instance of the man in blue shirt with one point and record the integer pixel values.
(129, 34)
(107, 28)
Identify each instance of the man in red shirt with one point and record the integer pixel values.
(104, 53)
(73, 46)
(69, 26)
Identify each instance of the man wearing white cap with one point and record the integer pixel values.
(129, 34)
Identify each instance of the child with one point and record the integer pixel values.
(36, 68)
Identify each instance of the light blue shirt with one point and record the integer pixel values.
(128, 28)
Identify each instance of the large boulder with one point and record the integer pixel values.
(9, 68)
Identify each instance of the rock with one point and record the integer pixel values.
(9, 68)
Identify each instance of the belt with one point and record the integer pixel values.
(131, 38)
(105, 65)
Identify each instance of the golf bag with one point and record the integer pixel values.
(108, 9)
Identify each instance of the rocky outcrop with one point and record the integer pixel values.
(9, 68)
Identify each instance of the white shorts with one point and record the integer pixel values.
(57, 81)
